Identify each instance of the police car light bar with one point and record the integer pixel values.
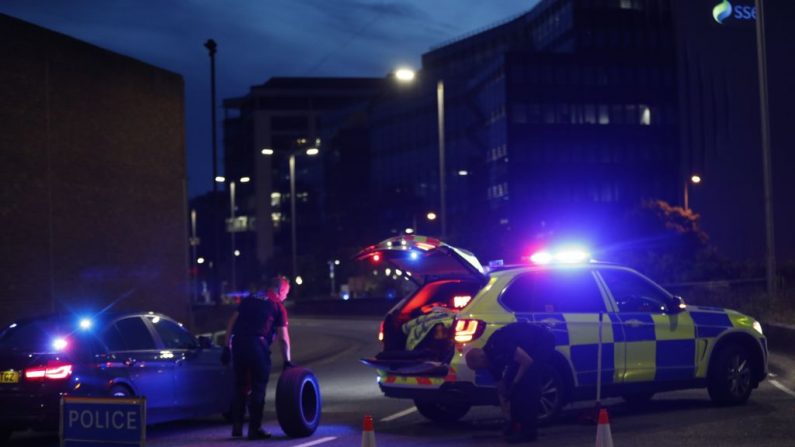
(568, 256)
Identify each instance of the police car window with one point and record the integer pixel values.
(571, 291)
(634, 293)
(113, 339)
(135, 333)
(173, 336)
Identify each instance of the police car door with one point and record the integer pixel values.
(658, 342)
(135, 356)
(568, 301)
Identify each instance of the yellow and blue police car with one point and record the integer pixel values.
(650, 341)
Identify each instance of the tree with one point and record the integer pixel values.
(667, 243)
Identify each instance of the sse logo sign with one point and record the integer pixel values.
(725, 10)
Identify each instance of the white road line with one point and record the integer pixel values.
(778, 385)
(399, 414)
(317, 441)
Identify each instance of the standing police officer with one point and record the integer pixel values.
(250, 333)
(516, 355)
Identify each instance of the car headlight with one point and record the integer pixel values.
(758, 327)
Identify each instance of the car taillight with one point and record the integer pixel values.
(381, 332)
(53, 370)
(468, 330)
(461, 301)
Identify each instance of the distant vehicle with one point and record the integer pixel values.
(130, 354)
(651, 340)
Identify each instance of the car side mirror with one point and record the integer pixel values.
(676, 305)
(205, 342)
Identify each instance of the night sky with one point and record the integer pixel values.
(259, 39)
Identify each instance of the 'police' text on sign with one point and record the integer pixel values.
(95, 421)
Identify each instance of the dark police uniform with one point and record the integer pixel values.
(252, 335)
(539, 343)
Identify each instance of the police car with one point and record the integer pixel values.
(650, 341)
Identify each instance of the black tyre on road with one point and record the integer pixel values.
(298, 402)
(730, 379)
(442, 412)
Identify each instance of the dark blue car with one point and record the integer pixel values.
(130, 354)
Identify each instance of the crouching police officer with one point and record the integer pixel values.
(516, 355)
(249, 334)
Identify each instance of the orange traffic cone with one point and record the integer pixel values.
(603, 436)
(368, 434)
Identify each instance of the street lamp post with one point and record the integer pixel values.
(293, 236)
(293, 228)
(442, 184)
(212, 49)
(767, 166)
(232, 234)
(694, 179)
(406, 75)
(232, 224)
(194, 243)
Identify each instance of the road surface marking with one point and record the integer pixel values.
(778, 385)
(399, 414)
(317, 441)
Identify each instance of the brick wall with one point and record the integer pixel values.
(92, 168)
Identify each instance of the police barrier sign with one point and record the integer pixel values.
(103, 421)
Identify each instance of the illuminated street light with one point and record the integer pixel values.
(409, 230)
(694, 179)
(220, 179)
(431, 216)
(200, 261)
(336, 262)
(299, 280)
(237, 252)
(463, 173)
(245, 179)
(312, 151)
(405, 74)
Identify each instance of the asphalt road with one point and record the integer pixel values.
(331, 349)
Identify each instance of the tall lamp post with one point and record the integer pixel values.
(407, 75)
(232, 224)
(694, 179)
(211, 48)
(312, 151)
(767, 166)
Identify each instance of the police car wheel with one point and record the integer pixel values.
(730, 376)
(442, 412)
(553, 395)
(120, 391)
(298, 402)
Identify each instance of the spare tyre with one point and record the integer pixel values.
(298, 402)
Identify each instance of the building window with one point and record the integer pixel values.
(590, 114)
(645, 115)
(604, 116)
(519, 113)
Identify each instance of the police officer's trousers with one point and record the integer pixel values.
(525, 397)
(252, 363)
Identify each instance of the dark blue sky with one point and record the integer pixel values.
(259, 39)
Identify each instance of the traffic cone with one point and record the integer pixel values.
(368, 434)
(603, 436)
